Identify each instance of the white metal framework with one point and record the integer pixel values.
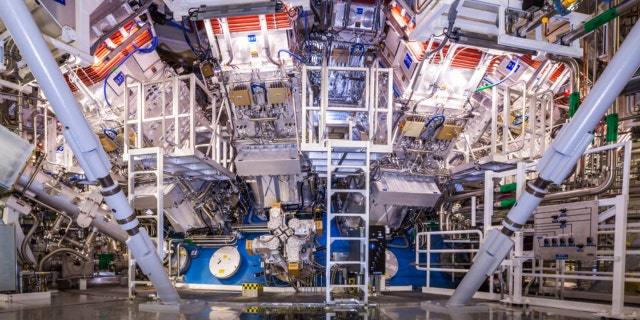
(165, 114)
(356, 239)
(616, 207)
(340, 139)
(155, 209)
(321, 117)
(167, 132)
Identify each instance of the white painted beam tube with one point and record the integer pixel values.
(555, 165)
(83, 141)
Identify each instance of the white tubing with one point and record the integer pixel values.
(493, 251)
(609, 85)
(556, 163)
(81, 138)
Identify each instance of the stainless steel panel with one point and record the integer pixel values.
(15, 154)
(268, 160)
(566, 231)
(8, 261)
(405, 190)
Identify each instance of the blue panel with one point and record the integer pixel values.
(409, 275)
(199, 270)
(250, 265)
(119, 78)
(252, 38)
(408, 61)
(511, 64)
(62, 2)
(359, 10)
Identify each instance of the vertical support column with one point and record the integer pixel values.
(619, 255)
(494, 119)
(160, 202)
(474, 209)
(533, 125)
(328, 259)
(193, 86)
(516, 267)
(488, 202)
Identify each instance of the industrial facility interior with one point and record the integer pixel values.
(314, 159)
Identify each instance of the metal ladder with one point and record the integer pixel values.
(347, 289)
(146, 157)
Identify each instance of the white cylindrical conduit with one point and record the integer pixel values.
(555, 164)
(81, 138)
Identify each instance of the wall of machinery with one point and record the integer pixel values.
(248, 137)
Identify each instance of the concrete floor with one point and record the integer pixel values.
(111, 302)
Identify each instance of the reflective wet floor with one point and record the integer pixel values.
(112, 303)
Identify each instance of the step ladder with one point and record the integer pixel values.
(146, 162)
(347, 270)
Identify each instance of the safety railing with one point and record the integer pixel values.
(424, 248)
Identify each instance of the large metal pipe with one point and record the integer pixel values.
(57, 251)
(65, 201)
(574, 69)
(574, 97)
(27, 239)
(555, 165)
(83, 141)
(590, 191)
(265, 39)
(522, 31)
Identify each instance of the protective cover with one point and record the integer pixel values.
(15, 153)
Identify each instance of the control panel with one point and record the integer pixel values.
(377, 248)
(566, 232)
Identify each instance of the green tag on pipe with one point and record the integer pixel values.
(612, 128)
(506, 203)
(574, 103)
(508, 187)
(600, 20)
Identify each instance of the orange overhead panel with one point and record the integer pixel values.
(529, 61)
(557, 73)
(401, 20)
(275, 21)
(96, 72)
(464, 57)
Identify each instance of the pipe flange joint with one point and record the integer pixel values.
(538, 188)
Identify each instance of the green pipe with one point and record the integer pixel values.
(574, 103)
(601, 19)
(505, 203)
(598, 21)
(509, 187)
(612, 128)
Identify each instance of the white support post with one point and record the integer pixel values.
(494, 119)
(619, 256)
(474, 209)
(488, 202)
